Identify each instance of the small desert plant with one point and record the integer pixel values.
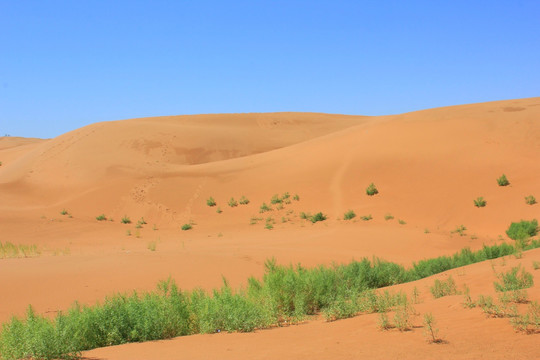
(232, 202)
(276, 199)
(515, 279)
(522, 230)
(64, 212)
(317, 217)
(128, 232)
(443, 288)
(366, 217)
(254, 220)
(503, 181)
(480, 202)
(151, 246)
(264, 208)
(402, 222)
(210, 201)
(349, 215)
(101, 217)
(296, 197)
(125, 220)
(187, 227)
(218, 210)
(269, 226)
(426, 231)
(141, 221)
(388, 217)
(468, 299)
(384, 322)
(372, 190)
(536, 265)
(304, 215)
(530, 200)
(401, 319)
(415, 295)
(243, 200)
(431, 331)
(138, 226)
(460, 230)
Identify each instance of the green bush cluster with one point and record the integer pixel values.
(284, 294)
(522, 230)
(442, 288)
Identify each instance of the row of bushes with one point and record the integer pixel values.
(284, 294)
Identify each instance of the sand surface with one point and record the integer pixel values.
(428, 165)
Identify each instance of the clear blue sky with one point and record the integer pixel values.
(66, 64)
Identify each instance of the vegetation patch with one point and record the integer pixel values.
(317, 217)
(443, 288)
(503, 181)
(480, 202)
(366, 217)
(522, 230)
(515, 279)
(10, 250)
(372, 190)
(211, 202)
(243, 200)
(232, 202)
(284, 294)
(125, 220)
(101, 217)
(186, 227)
(264, 208)
(349, 215)
(530, 200)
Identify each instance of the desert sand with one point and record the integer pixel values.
(428, 166)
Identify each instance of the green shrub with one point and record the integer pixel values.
(125, 220)
(430, 329)
(402, 222)
(388, 217)
(349, 215)
(64, 212)
(101, 217)
(187, 227)
(317, 217)
(296, 197)
(366, 217)
(460, 230)
(243, 200)
(210, 201)
(522, 230)
(264, 208)
(232, 202)
(515, 279)
(443, 288)
(503, 181)
(530, 200)
(480, 202)
(371, 190)
(151, 246)
(218, 210)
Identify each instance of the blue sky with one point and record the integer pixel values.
(66, 64)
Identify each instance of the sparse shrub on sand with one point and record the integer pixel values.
(101, 217)
(296, 197)
(366, 217)
(210, 201)
(536, 265)
(503, 181)
(530, 200)
(264, 208)
(388, 217)
(186, 227)
(349, 215)
(151, 246)
(218, 210)
(276, 199)
(402, 222)
(431, 330)
(317, 217)
(460, 230)
(443, 288)
(515, 279)
(10, 250)
(232, 202)
(372, 190)
(480, 202)
(64, 212)
(243, 200)
(522, 230)
(125, 220)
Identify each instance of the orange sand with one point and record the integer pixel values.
(428, 166)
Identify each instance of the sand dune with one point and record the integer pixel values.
(428, 165)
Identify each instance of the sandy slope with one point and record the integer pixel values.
(428, 166)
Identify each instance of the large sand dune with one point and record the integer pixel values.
(428, 165)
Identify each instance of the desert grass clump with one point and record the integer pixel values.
(276, 199)
(317, 217)
(151, 246)
(388, 217)
(480, 202)
(218, 210)
(372, 190)
(349, 215)
(522, 230)
(402, 222)
(211, 202)
(101, 217)
(254, 220)
(64, 212)
(431, 330)
(530, 200)
(443, 288)
(10, 250)
(515, 279)
(186, 227)
(460, 230)
(366, 217)
(536, 265)
(232, 202)
(296, 197)
(264, 208)
(243, 200)
(503, 181)
(125, 220)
